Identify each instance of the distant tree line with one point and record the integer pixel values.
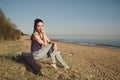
(8, 30)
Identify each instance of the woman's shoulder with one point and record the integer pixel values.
(35, 34)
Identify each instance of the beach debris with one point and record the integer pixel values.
(70, 53)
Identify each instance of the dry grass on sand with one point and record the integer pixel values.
(86, 62)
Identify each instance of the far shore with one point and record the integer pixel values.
(85, 44)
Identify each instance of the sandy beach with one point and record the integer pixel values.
(91, 62)
(100, 62)
(86, 62)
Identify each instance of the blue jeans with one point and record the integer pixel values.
(44, 53)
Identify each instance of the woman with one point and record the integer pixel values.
(42, 47)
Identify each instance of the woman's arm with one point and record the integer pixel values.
(51, 42)
(37, 38)
(48, 40)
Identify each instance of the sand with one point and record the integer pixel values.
(91, 62)
(98, 62)
(85, 62)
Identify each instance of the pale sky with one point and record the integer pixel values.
(86, 17)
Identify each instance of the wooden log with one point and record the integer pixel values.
(33, 64)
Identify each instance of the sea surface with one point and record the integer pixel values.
(106, 41)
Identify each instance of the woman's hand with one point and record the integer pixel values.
(43, 32)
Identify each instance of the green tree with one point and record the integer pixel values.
(8, 29)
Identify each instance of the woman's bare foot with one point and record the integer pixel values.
(58, 52)
(54, 66)
(66, 67)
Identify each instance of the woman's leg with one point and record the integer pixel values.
(55, 47)
(42, 52)
(59, 58)
(53, 64)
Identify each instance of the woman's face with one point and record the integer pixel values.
(40, 26)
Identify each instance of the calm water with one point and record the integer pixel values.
(90, 40)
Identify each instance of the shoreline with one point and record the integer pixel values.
(98, 60)
(84, 44)
(87, 44)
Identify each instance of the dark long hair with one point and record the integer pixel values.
(36, 21)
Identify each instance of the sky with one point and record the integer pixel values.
(66, 17)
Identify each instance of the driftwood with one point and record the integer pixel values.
(33, 64)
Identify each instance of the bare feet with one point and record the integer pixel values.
(66, 67)
(58, 52)
(54, 66)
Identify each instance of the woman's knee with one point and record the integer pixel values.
(55, 44)
(55, 47)
(49, 45)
